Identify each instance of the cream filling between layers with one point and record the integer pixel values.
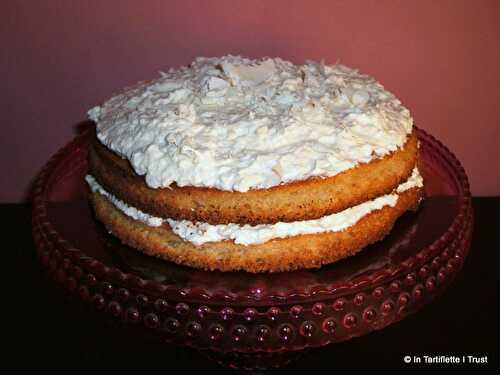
(199, 233)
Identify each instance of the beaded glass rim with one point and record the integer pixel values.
(50, 175)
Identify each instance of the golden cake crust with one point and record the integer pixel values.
(302, 200)
(303, 251)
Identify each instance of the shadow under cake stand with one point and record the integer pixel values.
(244, 320)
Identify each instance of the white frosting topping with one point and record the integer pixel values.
(237, 124)
(200, 233)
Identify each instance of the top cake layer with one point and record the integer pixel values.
(236, 124)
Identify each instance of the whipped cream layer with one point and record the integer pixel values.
(237, 124)
(200, 233)
(133, 212)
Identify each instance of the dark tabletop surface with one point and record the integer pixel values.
(46, 331)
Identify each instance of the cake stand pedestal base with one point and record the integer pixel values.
(252, 321)
(254, 362)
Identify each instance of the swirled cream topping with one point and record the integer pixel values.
(237, 124)
(200, 233)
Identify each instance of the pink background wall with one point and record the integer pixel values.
(59, 58)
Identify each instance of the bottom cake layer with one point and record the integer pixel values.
(280, 254)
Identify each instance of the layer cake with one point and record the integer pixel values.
(256, 165)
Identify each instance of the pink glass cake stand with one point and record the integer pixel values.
(245, 320)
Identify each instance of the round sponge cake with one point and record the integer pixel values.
(255, 165)
(277, 255)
